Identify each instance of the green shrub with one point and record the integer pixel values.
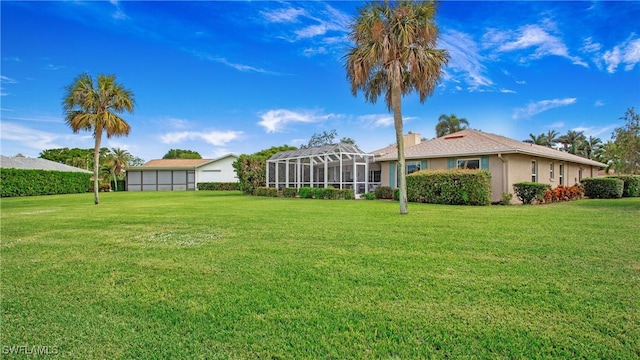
(631, 185)
(306, 192)
(318, 193)
(22, 182)
(603, 188)
(347, 194)
(368, 196)
(454, 187)
(266, 191)
(289, 192)
(396, 194)
(330, 193)
(505, 199)
(120, 185)
(528, 191)
(383, 192)
(219, 186)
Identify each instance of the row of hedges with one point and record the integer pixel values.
(603, 188)
(21, 182)
(452, 187)
(329, 193)
(631, 185)
(219, 186)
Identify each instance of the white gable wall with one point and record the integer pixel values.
(220, 170)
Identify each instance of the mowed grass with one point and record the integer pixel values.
(218, 275)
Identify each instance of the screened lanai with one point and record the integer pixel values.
(342, 166)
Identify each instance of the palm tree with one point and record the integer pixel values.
(537, 139)
(118, 159)
(592, 147)
(450, 124)
(572, 141)
(394, 54)
(551, 138)
(94, 106)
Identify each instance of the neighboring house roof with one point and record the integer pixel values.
(178, 164)
(28, 163)
(476, 143)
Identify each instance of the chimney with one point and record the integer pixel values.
(411, 139)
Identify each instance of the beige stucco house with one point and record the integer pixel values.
(180, 174)
(509, 161)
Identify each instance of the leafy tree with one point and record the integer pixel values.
(627, 142)
(136, 161)
(182, 154)
(251, 169)
(395, 54)
(324, 138)
(348, 140)
(449, 124)
(94, 106)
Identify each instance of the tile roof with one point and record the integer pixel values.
(19, 162)
(473, 142)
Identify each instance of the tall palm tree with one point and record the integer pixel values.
(94, 106)
(394, 53)
(118, 159)
(572, 141)
(448, 124)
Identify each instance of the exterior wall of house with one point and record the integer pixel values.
(507, 170)
(218, 171)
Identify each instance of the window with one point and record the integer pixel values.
(374, 175)
(551, 171)
(413, 167)
(534, 172)
(561, 174)
(469, 164)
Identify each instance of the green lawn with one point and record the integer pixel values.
(224, 276)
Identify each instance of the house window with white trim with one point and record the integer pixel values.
(468, 164)
(534, 172)
(561, 174)
(551, 171)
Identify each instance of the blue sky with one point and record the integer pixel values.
(220, 77)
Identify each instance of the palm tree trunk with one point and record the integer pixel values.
(96, 164)
(396, 94)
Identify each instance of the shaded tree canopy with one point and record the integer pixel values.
(251, 169)
(181, 154)
(449, 124)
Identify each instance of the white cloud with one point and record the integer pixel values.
(283, 15)
(276, 120)
(531, 37)
(28, 137)
(557, 125)
(376, 120)
(541, 106)
(627, 53)
(595, 131)
(598, 103)
(216, 138)
(507, 91)
(7, 80)
(465, 59)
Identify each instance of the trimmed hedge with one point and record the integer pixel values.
(306, 192)
(452, 187)
(21, 182)
(631, 185)
(289, 192)
(266, 191)
(603, 188)
(219, 186)
(528, 191)
(383, 192)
